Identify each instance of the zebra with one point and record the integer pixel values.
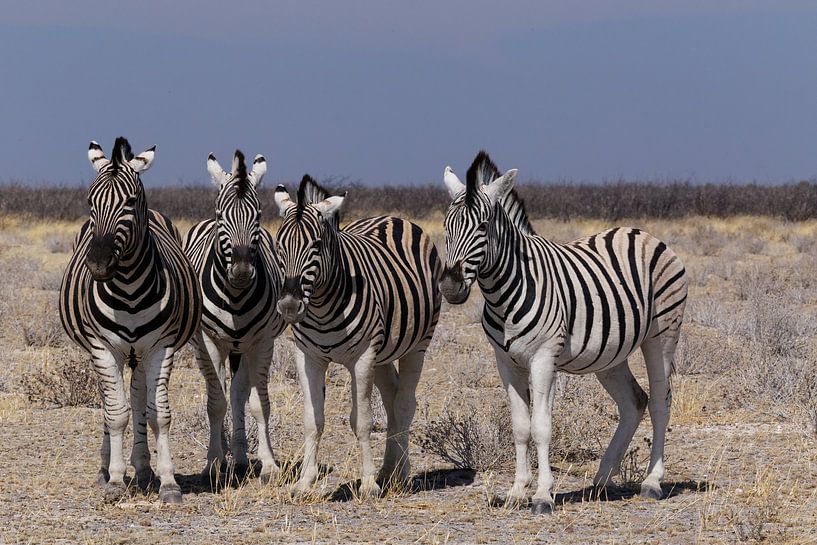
(581, 307)
(364, 296)
(240, 281)
(129, 296)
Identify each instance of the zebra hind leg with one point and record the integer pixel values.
(239, 395)
(211, 364)
(258, 364)
(631, 401)
(658, 355)
(385, 378)
(160, 364)
(405, 405)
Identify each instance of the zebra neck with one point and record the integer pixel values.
(139, 267)
(336, 286)
(505, 243)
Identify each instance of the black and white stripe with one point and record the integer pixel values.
(129, 297)
(363, 296)
(581, 307)
(240, 281)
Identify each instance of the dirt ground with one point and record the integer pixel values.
(741, 454)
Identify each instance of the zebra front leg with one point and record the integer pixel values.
(105, 449)
(631, 401)
(160, 364)
(239, 394)
(515, 380)
(312, 376)
(542, 374)
(210, 360)
(140, 455)
(658, 354)
(405, 405)
(117, 411)
(258, 364)
(361, 421)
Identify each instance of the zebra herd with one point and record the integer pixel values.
(366, 295)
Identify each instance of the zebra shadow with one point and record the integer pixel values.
(436, 479)
(233, 477)
(616, 493)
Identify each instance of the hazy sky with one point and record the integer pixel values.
(388, 91)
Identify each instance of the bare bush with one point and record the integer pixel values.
(583, 415)
(71, 382)
(470, 436)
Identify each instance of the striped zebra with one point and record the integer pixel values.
(581, 307)
(129, 297)
(362, 296)
(240, 282)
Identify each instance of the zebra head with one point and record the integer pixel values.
(118, 219)
(238, 216)
(307, 244)
(469, 224)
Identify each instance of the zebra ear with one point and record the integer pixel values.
(454, 185)
(217, 174)
(96, 156)
(282, 200)
(142, 162)
(259, 168)
(331, 207)
(500, 187)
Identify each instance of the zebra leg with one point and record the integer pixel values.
(361, 421)
(239, 394)
(160, 364)
(312, 376)
(542, 374)
(105, 450)
(385, 378)
(631, 401)
(515, 380)
(258, 364)
(658, 354)
(140, 455)
(211, 364)
(405, 405)
(117, 412)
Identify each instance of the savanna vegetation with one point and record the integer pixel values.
(741, 454)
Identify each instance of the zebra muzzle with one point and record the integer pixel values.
(292, 309)
(102, 258)
(453, 286)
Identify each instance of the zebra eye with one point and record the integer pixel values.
(130, 202)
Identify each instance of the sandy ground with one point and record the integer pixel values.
(741, 466)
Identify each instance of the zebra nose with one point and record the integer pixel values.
(102, 258)
(291, 309)
(454, 272)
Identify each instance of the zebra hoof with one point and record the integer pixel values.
(240, 472)
(270, 477)
(541, 507)
(651, 491)
(113, 492)
(213, 474)
(170, 493)
(370, 490)
(102, 477)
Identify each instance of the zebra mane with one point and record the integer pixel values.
(309, 192)
(121, 152)
(483, 171)
(242, 181)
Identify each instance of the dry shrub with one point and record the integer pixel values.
(71, 382)
(473, 433)
(700, 351)
(470, 434)
(583, 417)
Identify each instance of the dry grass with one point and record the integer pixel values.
(741, 454)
